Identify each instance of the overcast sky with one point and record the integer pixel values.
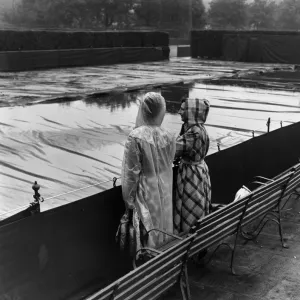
(5, 3)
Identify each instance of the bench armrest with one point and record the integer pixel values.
(166, 233)
(263, 178)
(259, 182)
(149, 249)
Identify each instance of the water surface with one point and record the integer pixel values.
(69, 145)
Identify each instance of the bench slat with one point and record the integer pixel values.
(104, 294)
(295, 167)
(163, 290)
(137, 279)
(293, 184)
(237, 214)
(259, 212)
(215, 237)
(236, 206)
(150, 280)
(213, 233)
(142, 283)
(173, 254)
(152, 284)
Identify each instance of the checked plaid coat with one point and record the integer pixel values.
(193, 190)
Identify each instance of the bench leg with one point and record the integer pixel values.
(232, 254)
(280, 210)
(284, 245)
(114, 293)
(184, 284)
(273, 216)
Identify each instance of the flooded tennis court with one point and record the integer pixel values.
(67, 130)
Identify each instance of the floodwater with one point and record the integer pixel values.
(70, 145)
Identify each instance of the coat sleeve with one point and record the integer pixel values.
(173, 149)
(131, 169)
(184, 143)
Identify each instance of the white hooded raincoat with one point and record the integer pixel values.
(147, 174)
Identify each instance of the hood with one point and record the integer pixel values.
(151, 111)
(196, 111)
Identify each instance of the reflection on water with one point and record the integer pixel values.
(176, 93)
(114, 102)
(69, 145)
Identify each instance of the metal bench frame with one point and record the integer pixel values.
(152, 279)
(266, 201)
(271, 212)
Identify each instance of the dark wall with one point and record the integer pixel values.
(31, 50)
(52, 40)
(32, 60)
(71, 250)
(266, 155)
(247, 46)
(56, 254)
(206, 44)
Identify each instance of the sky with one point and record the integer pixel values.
(5, 3)
(205, 2)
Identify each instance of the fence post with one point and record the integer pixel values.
(268, 124)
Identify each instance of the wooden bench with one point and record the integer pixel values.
(169, 263)
(263, 202)
(231, 219)
(152, 279)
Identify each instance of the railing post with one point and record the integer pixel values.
(268, 124)
(35, 205)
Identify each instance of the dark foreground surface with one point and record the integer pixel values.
(265, 270)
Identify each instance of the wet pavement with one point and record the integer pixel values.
(66, 128)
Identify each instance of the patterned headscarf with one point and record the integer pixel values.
(152, 110)
(196, 111)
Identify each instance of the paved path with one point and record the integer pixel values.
(265, 270)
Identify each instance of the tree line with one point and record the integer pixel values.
(255, 15)
(171, 15)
